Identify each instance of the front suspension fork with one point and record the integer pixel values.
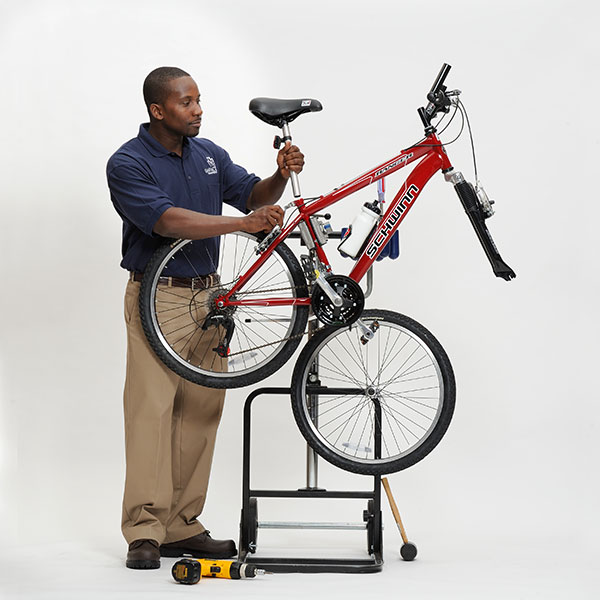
(476, 215)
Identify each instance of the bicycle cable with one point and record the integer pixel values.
(462, 126)
(451, 118)
(442, 131)
(463, 108)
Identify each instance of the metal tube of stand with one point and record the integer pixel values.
(312, 458)
(311, 525)
(312, 469)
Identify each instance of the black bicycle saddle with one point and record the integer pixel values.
(278, 112)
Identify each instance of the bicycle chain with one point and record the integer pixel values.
(292, 337)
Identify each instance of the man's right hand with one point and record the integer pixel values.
(263, 219)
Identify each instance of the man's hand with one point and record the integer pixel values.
(289, 158)
(263, 219)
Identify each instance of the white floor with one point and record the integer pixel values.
(448, 569)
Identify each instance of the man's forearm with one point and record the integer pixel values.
(191, 225)
(267, 191)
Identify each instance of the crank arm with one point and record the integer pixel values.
(471, 205)
(326, 287)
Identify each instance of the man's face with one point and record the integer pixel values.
(180, 113)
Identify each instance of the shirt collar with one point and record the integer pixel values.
(154, 146)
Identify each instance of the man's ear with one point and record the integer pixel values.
(156, 112)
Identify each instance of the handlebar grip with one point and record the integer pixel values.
(439, 81)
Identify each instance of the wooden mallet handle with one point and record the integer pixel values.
(394, 508)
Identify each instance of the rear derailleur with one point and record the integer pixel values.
(218, 319)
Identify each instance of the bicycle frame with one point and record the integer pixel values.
(434, 158)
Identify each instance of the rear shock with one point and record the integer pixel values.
(477, 214)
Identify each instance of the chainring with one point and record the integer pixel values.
(353, 301)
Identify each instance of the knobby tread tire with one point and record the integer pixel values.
(297, 396)
(234, 381)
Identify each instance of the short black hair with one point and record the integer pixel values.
(155, 84)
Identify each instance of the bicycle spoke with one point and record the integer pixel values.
(273, 319)
(196, 274)
(349, 376)
(358, 446)
(389, 359)
(359, 407)
(401, 426)
(397, 373)
(358, 364)
(323, 425)
(392, 432)
(393, 410)
(415, 400)
(413, 408)
(321, 413)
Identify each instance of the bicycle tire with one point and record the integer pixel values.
(264, 338)
(403, 372)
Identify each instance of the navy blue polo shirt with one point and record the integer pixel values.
(145, 179)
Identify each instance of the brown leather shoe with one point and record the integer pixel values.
(200, 546)
(143, 554)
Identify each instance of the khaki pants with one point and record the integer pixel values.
(170, 430)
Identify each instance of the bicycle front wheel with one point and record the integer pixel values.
(177, 320)
(376, 407)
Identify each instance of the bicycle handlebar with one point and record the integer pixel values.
(438, 101)
(438, 84)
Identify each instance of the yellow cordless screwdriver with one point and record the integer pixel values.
(191, 570)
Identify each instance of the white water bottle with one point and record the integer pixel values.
(361, 229)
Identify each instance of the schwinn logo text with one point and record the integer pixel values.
(381, 237)
(394, 164)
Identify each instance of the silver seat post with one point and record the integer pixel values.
(294, 176)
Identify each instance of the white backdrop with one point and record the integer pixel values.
(511, 490)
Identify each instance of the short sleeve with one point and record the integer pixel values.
(237, 183)
(137, 197)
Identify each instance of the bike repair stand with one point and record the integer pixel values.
(249, 523)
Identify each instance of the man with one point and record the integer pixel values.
(163, 185)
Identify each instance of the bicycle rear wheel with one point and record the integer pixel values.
(377, 407)
(175, 318)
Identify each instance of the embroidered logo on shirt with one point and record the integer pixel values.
(212, 167)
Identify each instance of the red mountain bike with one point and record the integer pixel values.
(373, 391)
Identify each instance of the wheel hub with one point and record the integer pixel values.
(199, 306)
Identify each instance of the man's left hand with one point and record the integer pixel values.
(289, 158)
